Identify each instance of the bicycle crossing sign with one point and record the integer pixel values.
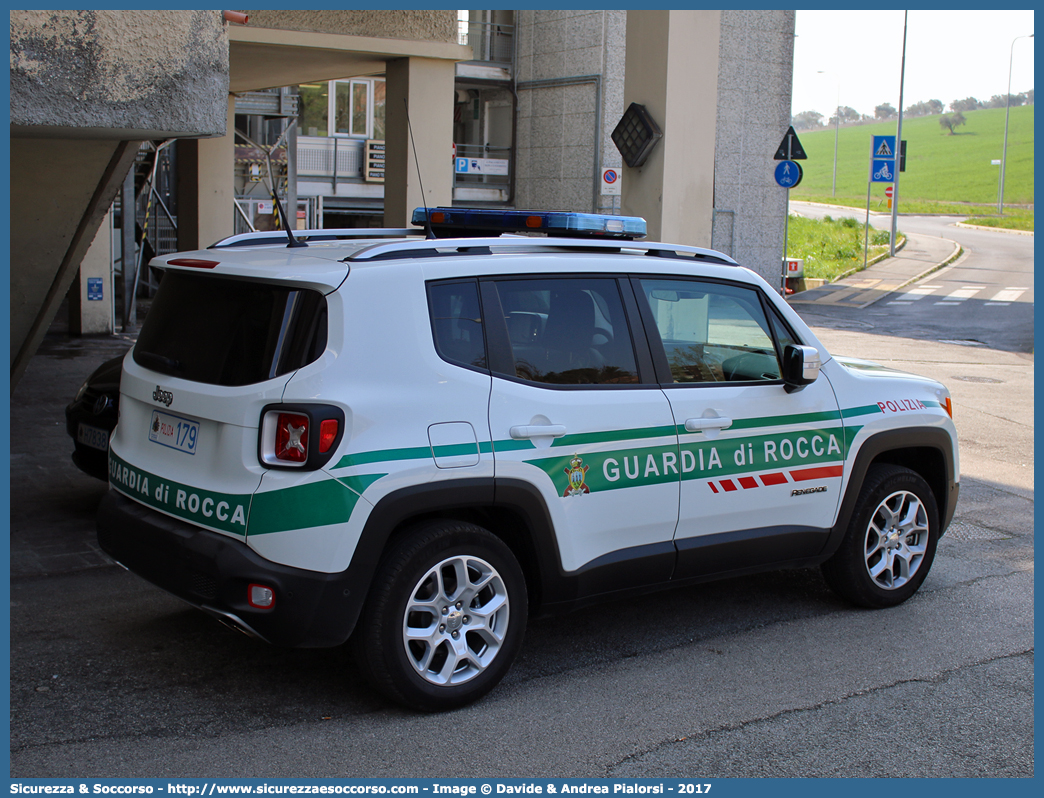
(882, 171)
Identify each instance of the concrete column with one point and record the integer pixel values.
(427, 86)
(81, 176)
(206, 187)
(672, 69)
(90, 302)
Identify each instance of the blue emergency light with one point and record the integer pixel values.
(471, 222)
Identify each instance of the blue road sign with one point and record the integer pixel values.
(788, 174)
(882, 159)
(883, 148)
(94, 288)
(882, 171)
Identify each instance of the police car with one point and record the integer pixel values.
(418, 442)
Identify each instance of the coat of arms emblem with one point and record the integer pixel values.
(576, 472)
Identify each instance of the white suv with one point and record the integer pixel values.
(420, 442)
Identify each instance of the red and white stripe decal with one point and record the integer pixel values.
(776, 478)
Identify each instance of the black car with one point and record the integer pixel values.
(91, 417)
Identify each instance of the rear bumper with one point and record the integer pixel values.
(213, 571)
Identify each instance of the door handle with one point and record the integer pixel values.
(703, 424)
(528, 431)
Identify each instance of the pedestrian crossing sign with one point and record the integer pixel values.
(884, 147)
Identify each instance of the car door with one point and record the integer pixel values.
(575, 412)
(761, 465)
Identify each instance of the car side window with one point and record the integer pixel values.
(568, 331)
(456, 323)
(783, 334)
(712, 332)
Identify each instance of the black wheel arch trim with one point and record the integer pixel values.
(913, 447)
(489, 502)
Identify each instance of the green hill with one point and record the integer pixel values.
(939, 167)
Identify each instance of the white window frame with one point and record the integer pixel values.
(332, 107)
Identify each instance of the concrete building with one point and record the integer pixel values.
(717, 82)
(526, 101)
(89, 87)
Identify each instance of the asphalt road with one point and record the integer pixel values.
(989, 289)
(762, 676)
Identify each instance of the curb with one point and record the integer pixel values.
(872, 262)
(994, 229)
(957, 252)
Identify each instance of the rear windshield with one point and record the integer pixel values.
(230, 332)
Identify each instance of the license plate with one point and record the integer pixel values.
(93, 437)
(174, 431)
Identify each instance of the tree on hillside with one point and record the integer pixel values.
(928, 108)
(847, 114)
(1029, 97)
(807, 120)
(884, 111)
(967, 104)
(1014, 100)
(950, 121)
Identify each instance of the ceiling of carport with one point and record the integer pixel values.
(264, 58)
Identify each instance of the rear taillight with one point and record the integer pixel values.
(301, 436)
(327, 434)
(291, 443)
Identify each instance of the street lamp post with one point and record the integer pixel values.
(1007, 104)
(837, 125)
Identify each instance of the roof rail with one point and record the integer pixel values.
(516, 244)
(332, 234)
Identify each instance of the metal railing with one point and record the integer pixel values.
(332, 158)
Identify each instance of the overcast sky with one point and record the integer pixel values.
(950, 55)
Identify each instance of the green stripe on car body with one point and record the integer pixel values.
(590, 438)
(314, 504)
(327, 501)
(864, 410)
(612, 436)
(223, 512)
(779, 421)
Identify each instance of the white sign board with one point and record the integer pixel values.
(481, 166)
(264, 207)
(611, 181)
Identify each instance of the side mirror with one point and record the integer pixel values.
(800, 366)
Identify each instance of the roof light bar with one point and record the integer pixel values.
(464, 222)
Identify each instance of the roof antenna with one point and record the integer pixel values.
(292, 242)
(427, 214)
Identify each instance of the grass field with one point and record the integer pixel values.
(944, 174)
(941, 169)
(832, 246)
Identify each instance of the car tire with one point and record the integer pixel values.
(890, 542)
(445, 617)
